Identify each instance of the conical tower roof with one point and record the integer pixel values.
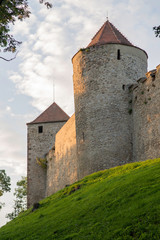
(52, 114)
(108, 33)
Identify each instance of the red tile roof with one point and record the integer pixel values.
(52, 114)
(108, 33)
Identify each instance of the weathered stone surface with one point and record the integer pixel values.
(100, 134)
(62, 162)
(103, 124)
(116, 121)
(146, 118)
(39, 145)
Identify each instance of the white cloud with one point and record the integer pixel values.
(8, 109)
(13, 141)
(53, 37)
(45, 62)
(11, 99)
(52, 41)
(12, 149)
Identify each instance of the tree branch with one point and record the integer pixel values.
(8, 60)
(1, 2)
(157, 30)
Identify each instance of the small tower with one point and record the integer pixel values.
(103, 125)
(41, 138)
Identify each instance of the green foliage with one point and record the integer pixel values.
(4, 184)
(10, 12)
(87, 50)
(82, 49)
(121, 203)
(20, 204)
(48, 5)
(157, 30)
(42, 162)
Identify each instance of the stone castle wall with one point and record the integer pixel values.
(138, 126)
(39, 145)
(103, 130)
(116, 120)
(62, 162)
(146, 117)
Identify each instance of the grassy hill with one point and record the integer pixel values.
(121, 203)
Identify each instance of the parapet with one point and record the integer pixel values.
(146, 81)
(145, 109)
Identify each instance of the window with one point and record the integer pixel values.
(83, 136)
(118, 54)
(40, 129)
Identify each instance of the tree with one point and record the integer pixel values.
(157, 30)
(10, 12)
(4, 183)
(20, 204)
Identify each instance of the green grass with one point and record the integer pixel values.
(121, 203)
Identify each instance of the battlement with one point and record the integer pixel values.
(145, 105)
(151, 76)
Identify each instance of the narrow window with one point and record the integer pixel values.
(118, 54)
(40, 129)
(83, 136)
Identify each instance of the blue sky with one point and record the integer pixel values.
(50, 39)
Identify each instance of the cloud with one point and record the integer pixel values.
(13, 141)
(11, 99)
(12, 149)
(54, 36)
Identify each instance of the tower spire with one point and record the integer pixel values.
(108, 33)
(53, 91)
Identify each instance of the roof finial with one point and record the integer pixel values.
(54, 96)
(107, 16)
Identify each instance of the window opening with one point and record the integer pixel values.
(118, 54)
(83, 136)
(40, 129)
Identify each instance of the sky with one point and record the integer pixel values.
(42, 70)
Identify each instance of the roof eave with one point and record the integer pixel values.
(102, 44)
(36, 123)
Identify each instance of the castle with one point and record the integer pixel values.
(116, 120)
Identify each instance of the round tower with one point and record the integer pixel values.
(101, 73)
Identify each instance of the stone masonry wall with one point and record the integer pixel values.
(62, 162)
(103, 130)
(146, 117)
(39, 145)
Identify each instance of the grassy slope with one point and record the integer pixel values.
(120, 203)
